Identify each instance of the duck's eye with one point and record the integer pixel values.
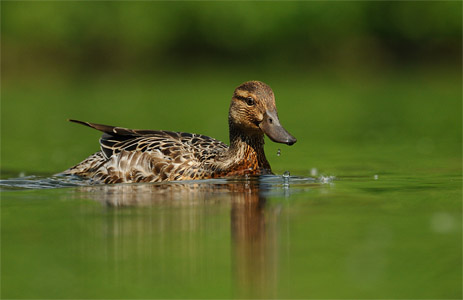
(250, 101)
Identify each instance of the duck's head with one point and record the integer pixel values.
(253, 111)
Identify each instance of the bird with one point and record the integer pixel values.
(132, 155)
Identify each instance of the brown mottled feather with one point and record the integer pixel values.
(148, 156)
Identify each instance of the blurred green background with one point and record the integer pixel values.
(371, 90)
(350, 78)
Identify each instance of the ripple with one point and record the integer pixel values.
(65, 181)
(42, 182)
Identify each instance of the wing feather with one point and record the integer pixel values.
(171, 145)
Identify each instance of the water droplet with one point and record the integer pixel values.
(443, 222)
(313, 172)
(278, 152)
(375, 177)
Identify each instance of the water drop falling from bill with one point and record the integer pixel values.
(278, 152)
(313, 172)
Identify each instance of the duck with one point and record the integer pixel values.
(133, 155)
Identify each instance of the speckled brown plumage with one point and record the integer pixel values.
(129, 155)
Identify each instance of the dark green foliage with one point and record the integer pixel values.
(113, 34)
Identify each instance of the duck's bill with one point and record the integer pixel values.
(271, 126)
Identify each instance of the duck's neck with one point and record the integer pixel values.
(246, 152)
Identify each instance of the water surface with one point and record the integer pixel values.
(274, 236)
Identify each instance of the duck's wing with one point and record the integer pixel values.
(169, 144)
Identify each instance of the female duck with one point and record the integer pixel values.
(129, 155)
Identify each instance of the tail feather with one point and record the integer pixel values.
(100, 127)
(112, 130)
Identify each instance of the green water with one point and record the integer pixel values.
(387, 226)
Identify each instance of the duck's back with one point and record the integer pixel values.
(129, 155)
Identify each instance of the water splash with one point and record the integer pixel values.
(286, 178)
(326, 179)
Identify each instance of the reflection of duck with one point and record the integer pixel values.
(184, 215)
(171, 194)
(149, 156)
(177, 193)
(254, 244)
